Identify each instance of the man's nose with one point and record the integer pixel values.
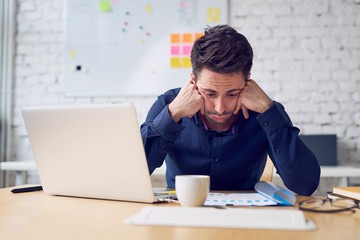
(220, 105)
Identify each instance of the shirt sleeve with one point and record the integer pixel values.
(159, 133)
(294, 161)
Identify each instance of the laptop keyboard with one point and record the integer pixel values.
(165, 195)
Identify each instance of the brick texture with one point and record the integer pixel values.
(307, 56)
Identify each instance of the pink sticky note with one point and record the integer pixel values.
(175, 50)
(187, 50)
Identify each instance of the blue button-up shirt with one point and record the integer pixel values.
(234, 159)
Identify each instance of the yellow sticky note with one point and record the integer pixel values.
(175, 62)
(104, 6)
(210, 15)
(216, 14)
(72, 53)
(148, 8)
(186, 62)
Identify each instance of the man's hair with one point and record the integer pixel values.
(222, 50)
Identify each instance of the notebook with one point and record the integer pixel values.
(93, 151)
(351, 192)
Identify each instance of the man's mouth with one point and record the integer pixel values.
(220, 118)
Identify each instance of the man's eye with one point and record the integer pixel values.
(232, 94)
(210, 94)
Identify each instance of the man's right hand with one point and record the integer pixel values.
(188, 102)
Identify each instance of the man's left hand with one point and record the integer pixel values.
(254, 98)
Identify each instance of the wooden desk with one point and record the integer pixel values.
(39, 216)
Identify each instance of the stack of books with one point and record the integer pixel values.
(345, 192)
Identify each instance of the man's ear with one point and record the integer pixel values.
(192, 76)
(249, 76)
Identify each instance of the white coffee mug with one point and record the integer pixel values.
(192, 190)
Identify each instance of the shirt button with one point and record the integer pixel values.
(216, 159)
(277, 150)
(266, 124)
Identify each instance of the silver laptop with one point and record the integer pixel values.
(91, 151)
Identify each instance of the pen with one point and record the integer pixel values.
(174, 192)
(27, 189)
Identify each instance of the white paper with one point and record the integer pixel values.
(238, 199)
(274, 219)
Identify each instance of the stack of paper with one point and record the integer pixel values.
(278, 219)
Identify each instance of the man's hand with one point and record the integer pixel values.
(254, 98)
(187, 102)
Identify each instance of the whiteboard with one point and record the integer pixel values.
(133, 48)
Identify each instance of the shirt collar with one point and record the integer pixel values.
(231, 131)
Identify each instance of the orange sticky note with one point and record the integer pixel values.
(175, 38)
(187, 38)
(198, 35)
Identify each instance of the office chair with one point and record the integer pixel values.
(268, 170)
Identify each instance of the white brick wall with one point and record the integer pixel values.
(307, 56)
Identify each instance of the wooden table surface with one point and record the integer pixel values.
(35, 215)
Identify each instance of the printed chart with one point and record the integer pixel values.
(238, 199)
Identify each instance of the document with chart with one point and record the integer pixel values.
(267, 194)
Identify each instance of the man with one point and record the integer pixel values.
(222, 124)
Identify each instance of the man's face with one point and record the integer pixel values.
(220, 93)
